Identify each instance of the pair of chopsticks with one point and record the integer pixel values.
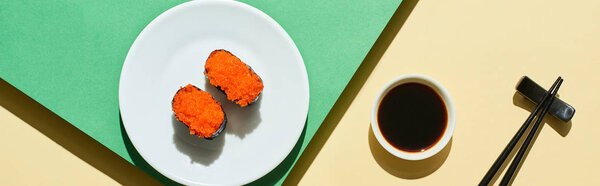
(544, 106)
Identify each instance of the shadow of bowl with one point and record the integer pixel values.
(406, 169)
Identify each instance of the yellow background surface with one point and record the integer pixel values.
(40, 148)
(30, 158)
(477, 49)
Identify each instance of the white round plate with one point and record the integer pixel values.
(171, 52)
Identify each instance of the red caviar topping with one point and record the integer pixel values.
(233, 76)
(198, 110)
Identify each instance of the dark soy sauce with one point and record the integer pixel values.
(412, 117)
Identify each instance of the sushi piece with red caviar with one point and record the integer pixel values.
(233, 77)
(199, 111)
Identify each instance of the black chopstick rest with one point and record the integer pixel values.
(513, 142)
(535, 93)
(508, 176)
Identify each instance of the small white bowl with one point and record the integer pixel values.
(414, 78)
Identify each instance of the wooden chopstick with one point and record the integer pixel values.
(513, 142)
(515, 163)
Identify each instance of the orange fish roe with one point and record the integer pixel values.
(198, 110)
(234, 77)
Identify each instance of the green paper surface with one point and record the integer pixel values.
(68, 54)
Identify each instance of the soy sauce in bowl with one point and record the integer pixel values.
(412, 117)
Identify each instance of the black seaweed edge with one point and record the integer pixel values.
(223, 91)
(221, 127)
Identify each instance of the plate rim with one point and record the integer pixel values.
(180, 7)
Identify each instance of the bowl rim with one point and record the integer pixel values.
(438, 88)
